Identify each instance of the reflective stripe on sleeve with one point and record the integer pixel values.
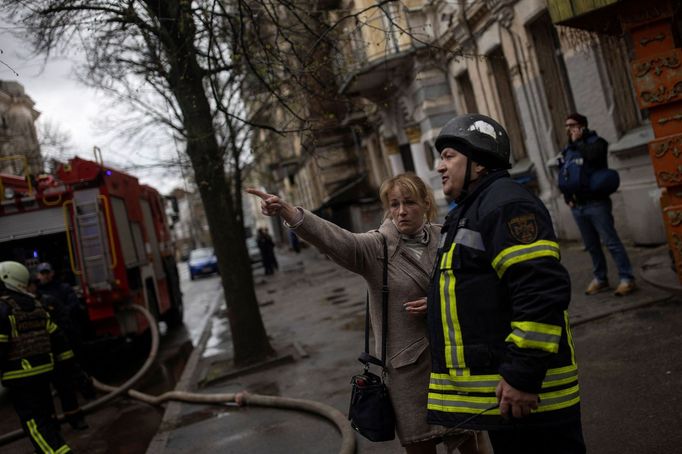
(65, 355)
(520, 253)
(540, 336)
(4, 338)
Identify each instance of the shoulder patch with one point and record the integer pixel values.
(524, 228)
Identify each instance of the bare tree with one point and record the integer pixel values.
(166, 50)
(56, 144)
(183, 65)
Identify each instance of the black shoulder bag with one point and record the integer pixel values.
(371, 412)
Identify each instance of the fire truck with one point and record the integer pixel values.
(104, 233)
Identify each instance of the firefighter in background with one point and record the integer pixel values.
(502, 352)
(64, 379)
(30, 342)
(71, 315)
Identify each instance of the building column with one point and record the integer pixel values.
(393, 153)
(656, 74)
(421, 167)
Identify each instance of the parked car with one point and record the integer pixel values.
(201, 262)
(254, 252)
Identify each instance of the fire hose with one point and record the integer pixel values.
(241, 398)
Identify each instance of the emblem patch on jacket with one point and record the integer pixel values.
(524, 228)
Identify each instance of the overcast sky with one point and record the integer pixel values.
(73, 107)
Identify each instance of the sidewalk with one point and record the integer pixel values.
(314, 314)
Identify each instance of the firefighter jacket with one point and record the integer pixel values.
(498, 308)
(30, 342)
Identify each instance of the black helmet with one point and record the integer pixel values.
(479, 137)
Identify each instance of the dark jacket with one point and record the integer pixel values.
(594, 153)
(63, 292)
(65, 309)
(30, 342)
(498, 308)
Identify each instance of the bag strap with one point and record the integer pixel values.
(365, 357)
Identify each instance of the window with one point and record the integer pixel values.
(553, 73)
(510, 120)
(614, 54)
(466, 92)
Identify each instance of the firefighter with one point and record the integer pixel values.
(65, 379)
(30, 343)
(502, 353)
(66, 310)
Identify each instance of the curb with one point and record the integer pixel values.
(160, 440)
(621, 310)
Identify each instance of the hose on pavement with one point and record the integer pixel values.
(241, 398)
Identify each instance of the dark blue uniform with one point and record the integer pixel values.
(498, 309)
(30, 343)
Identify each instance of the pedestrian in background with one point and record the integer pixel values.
(412, 243)
(30, 343)
(502, 352)
(586, 153)
(294, 241)
(267, 251)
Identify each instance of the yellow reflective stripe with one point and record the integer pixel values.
(4, 338)
(456, 403)
(63, 449)
(520, 253)
(51, 327)
(535, 335)
(446, 259)
(447, 341)
(560, 376)
(452, 333)
(13, 324)
(488, 383)
(462, 403)
(65, 355)
(557, 400)
(466, 383)
(36, 435)
(25, 364)
(21, 373)
(569, 337)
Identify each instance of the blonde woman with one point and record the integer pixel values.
(412, 244)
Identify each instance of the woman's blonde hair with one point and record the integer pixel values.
(411, 184)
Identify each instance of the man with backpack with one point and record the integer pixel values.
(587, 183)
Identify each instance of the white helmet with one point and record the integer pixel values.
(14, 275)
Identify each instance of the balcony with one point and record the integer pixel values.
(599, 16)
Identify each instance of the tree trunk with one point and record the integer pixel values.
(249, 338)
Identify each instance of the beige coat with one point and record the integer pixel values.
(407, 352)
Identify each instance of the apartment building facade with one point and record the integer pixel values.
(18, 135)
(406, 68)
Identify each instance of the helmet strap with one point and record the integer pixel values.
(467, 181)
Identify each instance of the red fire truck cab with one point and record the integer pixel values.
(104, 233)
